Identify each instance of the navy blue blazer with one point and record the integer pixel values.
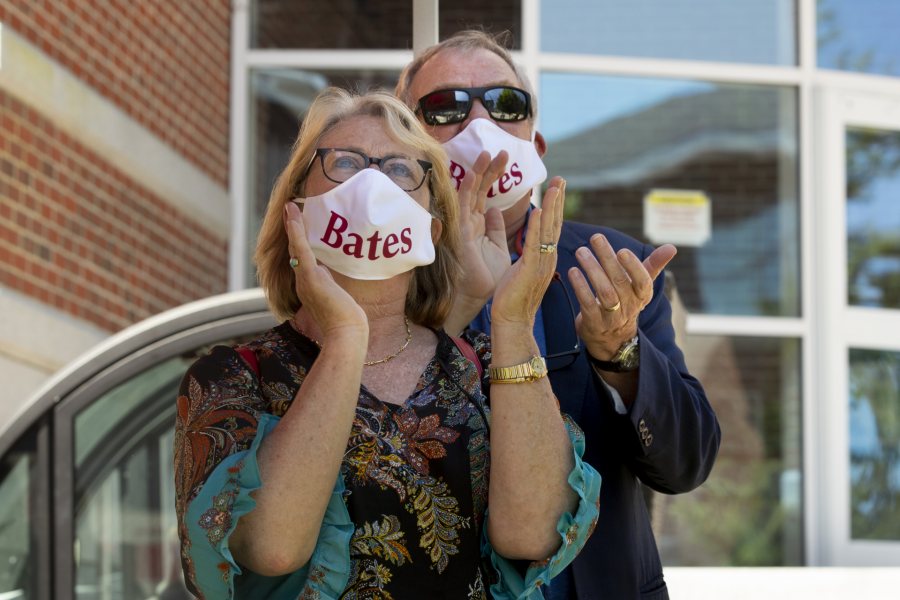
(621, 560)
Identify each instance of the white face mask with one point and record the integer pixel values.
(368, 228)
(524, 169)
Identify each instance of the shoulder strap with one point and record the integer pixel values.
(249, 357)
(469, 352)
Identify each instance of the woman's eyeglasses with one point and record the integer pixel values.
(340, 164)
(504, 103)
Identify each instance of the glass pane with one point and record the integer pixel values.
(859, 35)
(342, 24)
(280, 99)
(875, 444)
(494, 17)
(17, 576)
(743, 31)
(749, 511)
(125, 545)
(616, 139)
(873, 218)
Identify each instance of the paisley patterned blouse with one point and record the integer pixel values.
(407, 514)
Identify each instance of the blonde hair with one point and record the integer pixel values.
(430, 294)
(467, 40)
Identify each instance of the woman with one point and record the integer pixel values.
(344, 454)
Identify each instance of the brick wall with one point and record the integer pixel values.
(164, 62)
(76, 233)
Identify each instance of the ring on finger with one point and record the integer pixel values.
(612, 308)
(547, 248)
(294, 262)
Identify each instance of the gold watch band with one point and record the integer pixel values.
(531, 370)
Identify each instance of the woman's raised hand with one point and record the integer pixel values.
(519, 292)
(330, 306)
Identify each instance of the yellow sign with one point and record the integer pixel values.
(680, 217)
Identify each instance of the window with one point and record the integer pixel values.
(743, 31)
(859, 35)
(749, 511)
(340, 24)
(615, 139)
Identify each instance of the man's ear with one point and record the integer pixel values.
(540, 144)
(437, 228)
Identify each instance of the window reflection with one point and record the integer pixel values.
(342, 24)
(493, 17)
(875, 444)
(615, 139)
(384, 25)
(859, 35)
(125, 544)
(17, 575)
(745, 31)
(749, 511)
(873, 218)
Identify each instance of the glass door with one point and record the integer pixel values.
(858, 446)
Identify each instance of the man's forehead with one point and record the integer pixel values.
(456, 67)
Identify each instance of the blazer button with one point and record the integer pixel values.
(648, 440)
(642, 425)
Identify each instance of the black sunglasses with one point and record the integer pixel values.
(452, 105)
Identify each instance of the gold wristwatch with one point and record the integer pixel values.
(533, 369)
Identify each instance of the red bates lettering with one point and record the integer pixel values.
(457, 172)
(353, 244)
(507, 181)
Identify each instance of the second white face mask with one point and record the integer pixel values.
(368, 228)
(524, 169)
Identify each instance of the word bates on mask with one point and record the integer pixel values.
(368, 228)
(525, 168)
(352, 244)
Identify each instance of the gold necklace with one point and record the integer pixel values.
(372, 362)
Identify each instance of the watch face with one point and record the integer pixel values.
(630, 358)
(538, 366)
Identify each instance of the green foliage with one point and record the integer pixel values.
(875, 491)
(737, 518)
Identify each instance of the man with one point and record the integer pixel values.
(614, 366)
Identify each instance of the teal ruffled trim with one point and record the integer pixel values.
(225, 497)
(574, 530)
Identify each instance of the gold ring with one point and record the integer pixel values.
(548, 248)
(294, 263)
(614, 308)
